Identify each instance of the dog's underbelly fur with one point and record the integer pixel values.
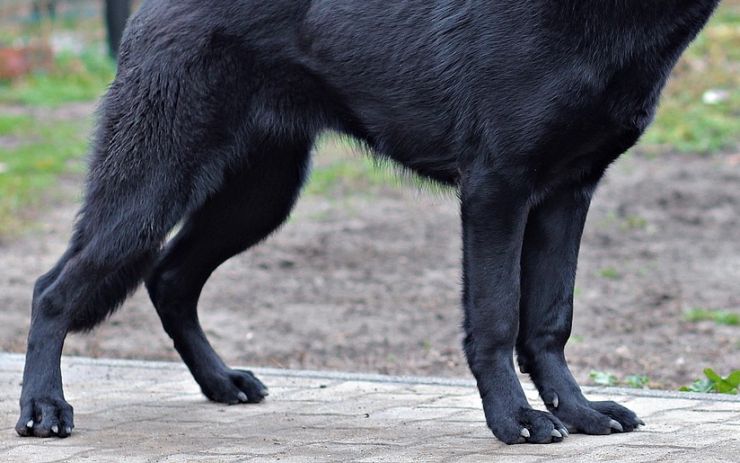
(436, 91)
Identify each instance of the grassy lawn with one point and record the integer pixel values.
(698, 114)
(33, 155)
(75, 77)
(688, 119)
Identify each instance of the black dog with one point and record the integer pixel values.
(519, 104)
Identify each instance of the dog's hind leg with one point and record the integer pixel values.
(163, 144)
(104, 263)
(550, 254)
(253, 202)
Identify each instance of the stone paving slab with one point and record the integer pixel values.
(129, 411)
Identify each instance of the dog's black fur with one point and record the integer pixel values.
(520, 104)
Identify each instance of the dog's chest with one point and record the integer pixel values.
(586, 130)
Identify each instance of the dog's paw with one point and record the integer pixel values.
(45, 418)
(528, 426)
(234, 387)
(597, 417)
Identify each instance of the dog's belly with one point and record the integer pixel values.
(432, 99)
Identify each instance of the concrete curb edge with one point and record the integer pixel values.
(375, 378)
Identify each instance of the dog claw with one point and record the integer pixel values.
(615, 425)
(242, 397)
(68, 430)
(524, 433)
(555, 401)
(640, 422)
(564, 432)
(556, 433)
(29, 424)
(55, 429)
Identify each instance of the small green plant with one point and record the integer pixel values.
(426, 345)
(715, 383)
(603, 378)
(610, 273)
(720, 317)
(634, 222)
(636, 381)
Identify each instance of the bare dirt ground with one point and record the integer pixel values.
(370, 281)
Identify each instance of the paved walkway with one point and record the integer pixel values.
(130, 411)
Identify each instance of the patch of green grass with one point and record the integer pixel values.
(720, 317)
(685, 122)
(13, 124)
(345, 174)
(713, 382)
(53, 148)
(73, 78)
(603, 378)
(343, 165)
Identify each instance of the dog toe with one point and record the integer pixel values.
(530, 426)
(45, 418)
(235, 387)
(599, 418)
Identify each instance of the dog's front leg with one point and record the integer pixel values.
(494, 212)
(550, 255)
